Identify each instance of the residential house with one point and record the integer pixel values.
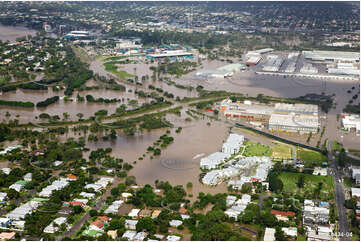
(290, 231)
(156, 213)
(282, 215)
(7, 236)
(269, 234)
(145, 213)
(130, 224)
(129, 234)
(175, 223)
(28, 177)
(112, 234)
(134, 213)
(173, 238)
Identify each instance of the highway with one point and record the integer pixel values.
(344, 230)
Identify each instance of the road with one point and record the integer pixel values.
(340, 198)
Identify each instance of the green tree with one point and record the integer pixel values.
(147, 224)
(301, 181)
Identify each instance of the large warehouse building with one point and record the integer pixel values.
(301, 118)
(317, 55)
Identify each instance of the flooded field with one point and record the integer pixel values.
(11, 32)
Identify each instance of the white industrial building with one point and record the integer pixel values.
(317, 55)
(298, 108)
(351, 122)
(294, 123)
(233, 144)
(214, 160)
(308, 68)
(273, 64)
(291, 67)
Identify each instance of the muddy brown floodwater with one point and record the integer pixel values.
(72, 108)
(12, 32)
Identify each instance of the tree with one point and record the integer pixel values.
(77, 209)
(301, 181)
(275, 184)
(93, 213)
(80, 115)
(13, 194)
(147, 224)
(280, 235)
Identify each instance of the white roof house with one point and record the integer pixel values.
(140, 236)
(6, 170)
(233, 144)
(130, 224)
(57, 163)
(214, 160)
(185, 216)
(114, 207)
(28, 176)
(87, 194)
(55, 225)
(129, 234)
(212, 178)
(291, 231)
(96, 187)
(21, 211)
(85, 201)
(3, 196)
(173, 238)
(17, 187)
(269, 234)
(134, 213)
(355, 192)
(175, 223)
(55, 186)
(230, 200)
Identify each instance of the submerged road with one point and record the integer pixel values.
(343, 226)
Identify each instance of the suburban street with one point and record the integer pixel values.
(340, 198)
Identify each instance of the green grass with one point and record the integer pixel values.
(281, 151)
(2, 81)
(112, 68)
(114, 58)
(336, 146)
(255, 149)
(311, 158)
(348, 182)
(354, 152)
(290, 180)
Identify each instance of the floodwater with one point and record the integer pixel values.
(12, 32)
(87, 109)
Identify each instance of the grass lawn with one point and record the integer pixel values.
(281, 151)
(255, 149)
(311, 158)
(348, 182)
(336, 146)
(290, 180)
(2, 81)
(354, 152)
(111, 67)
